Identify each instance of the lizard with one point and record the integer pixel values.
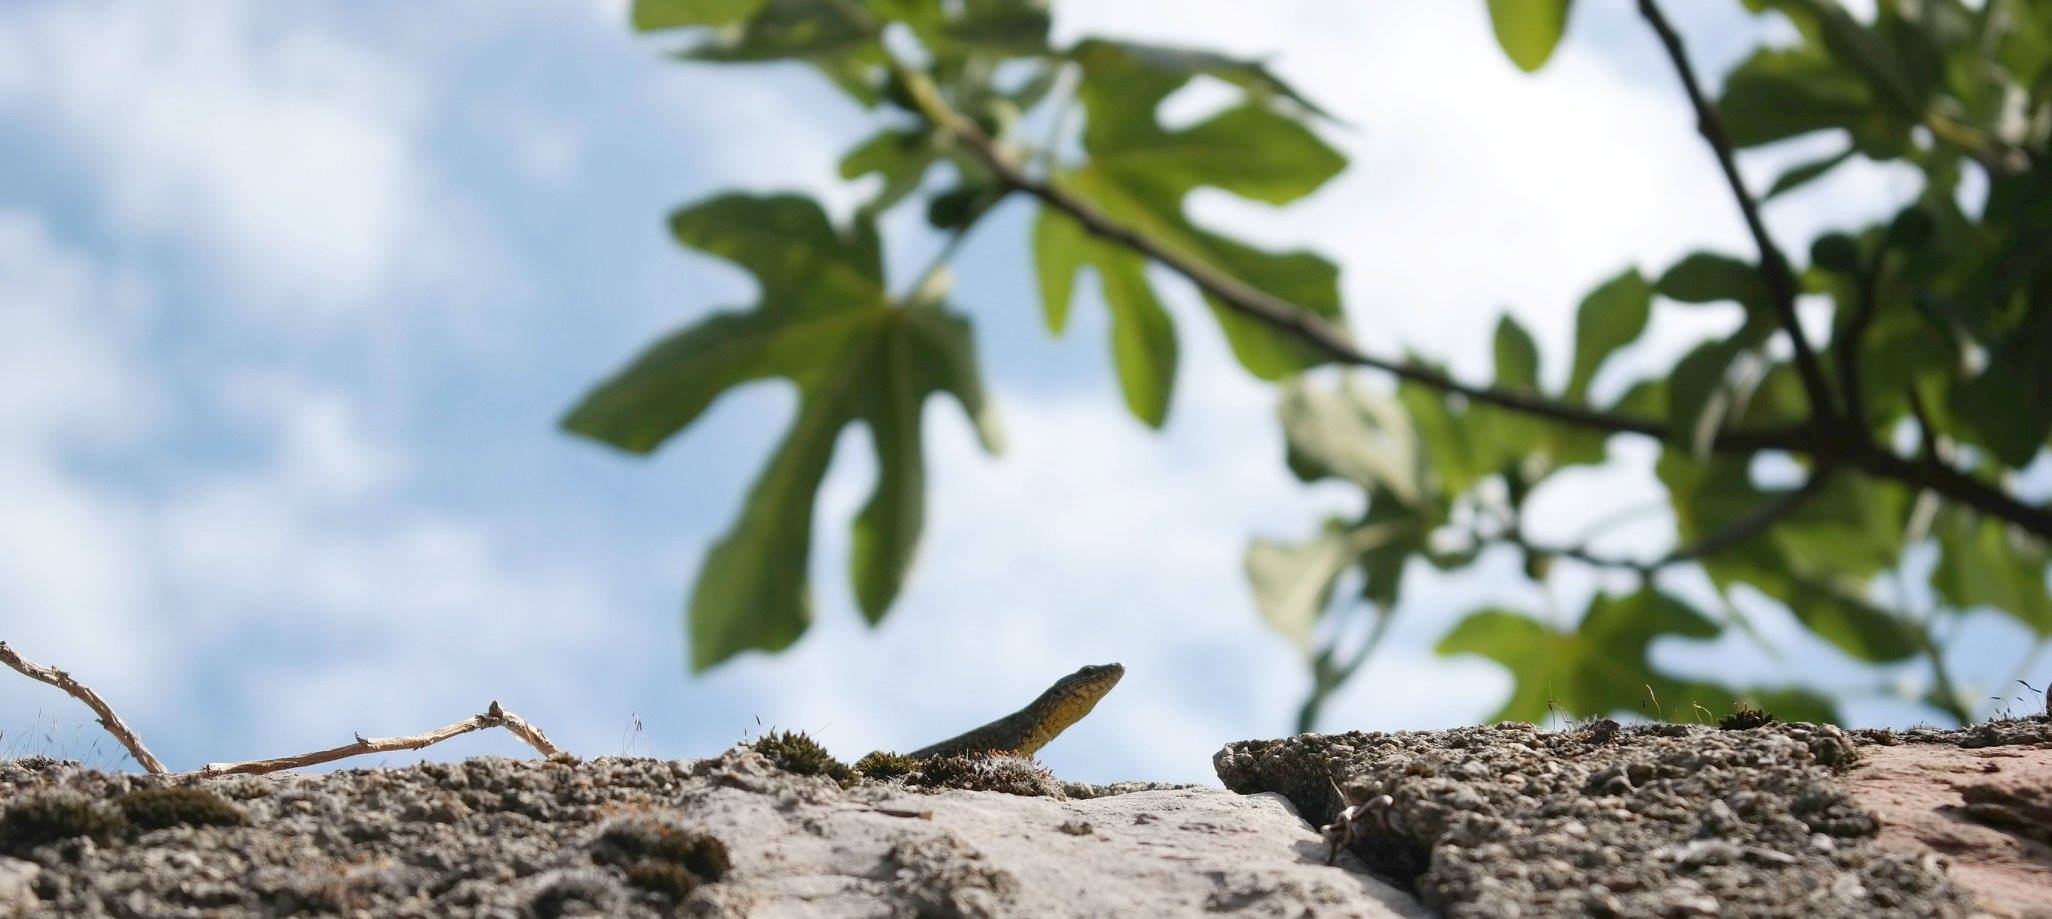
(1024, 732)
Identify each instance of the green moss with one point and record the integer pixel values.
(793, 751)
(159, 808)
(670, 880)
(1744, 717)
(42, 819)
(1012, 775)
(661, 855)
(883, 766)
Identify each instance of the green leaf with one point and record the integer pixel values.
(650, 15)
(1805, 173)
(1350, 432)
(1179, 64)
(1612, 316)
(826, 324)
(839, 39)
(1011, 27)
(1138, 173)
(1517, 357)
(1707, 277)
(900, 158)
(1528, 30)
(1698, 401)
(2009, 404)
(1293, 582)
(1060, 249)
(1143, 337)
(1817, 561)
(786, 29)
(1460, 446)
(1984, 563)
(1600, 666)
(1778, 94)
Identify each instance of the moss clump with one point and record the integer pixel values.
(672, 881)
(1012, 775)
(42, 819)
(883, 766)
(661, 855)
(793, 751)
(160, 808)
(1744, 717)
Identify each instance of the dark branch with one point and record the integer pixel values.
(1752, 524)
(1958, 486)
(1329, 341)
(1774, 268)
(1848, 344)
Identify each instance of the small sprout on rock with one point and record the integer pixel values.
(793, 751)
(42, 819)
(1745, 717)
(1076, 827)
(883, 766)
(661, 855)
(160, 808)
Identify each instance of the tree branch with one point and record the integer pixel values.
(1752, 524)
(493, 717)
(83, 693)
(1848, 343)
(1774, 268)
(1329, 341)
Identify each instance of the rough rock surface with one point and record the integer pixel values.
(1981, 797)
(543, 838)
(1650, 820)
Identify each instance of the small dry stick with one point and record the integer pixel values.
(83, 693)
(494, 717)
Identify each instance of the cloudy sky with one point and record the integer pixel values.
(292, 294)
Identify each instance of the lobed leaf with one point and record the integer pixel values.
(826, 324)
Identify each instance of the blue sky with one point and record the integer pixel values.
(292, 294)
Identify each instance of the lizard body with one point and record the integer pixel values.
(1024, 732)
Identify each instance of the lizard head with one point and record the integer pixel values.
(1072, 697)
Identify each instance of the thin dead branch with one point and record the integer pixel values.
(83, 693)
(493, 717)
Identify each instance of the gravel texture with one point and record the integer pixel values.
(630, 837)
(1654, 820)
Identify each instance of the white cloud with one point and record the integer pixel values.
(292, 160)
(69, 555)
(368, 611)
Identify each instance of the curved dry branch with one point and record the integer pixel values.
(493, 717)
(83, 693)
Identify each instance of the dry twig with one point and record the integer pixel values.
(83, 693)
(493, 717)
